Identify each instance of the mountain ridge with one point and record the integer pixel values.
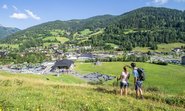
(6, 31)
(140, 27)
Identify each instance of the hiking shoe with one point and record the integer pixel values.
(142, 97)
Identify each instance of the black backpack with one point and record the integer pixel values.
(141, 74)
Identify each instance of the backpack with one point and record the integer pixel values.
(141, 74)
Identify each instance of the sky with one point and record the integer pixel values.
(26, 13)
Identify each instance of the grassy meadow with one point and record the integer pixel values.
(164, 90)
(15, 46)
(168, 79)
(85, 32)
(161, 47)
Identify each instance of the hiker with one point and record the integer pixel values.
(137, 81)
(124, 81)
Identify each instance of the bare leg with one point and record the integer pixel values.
(137, 94)
(125, 91)
(121, 91)
(141, 92)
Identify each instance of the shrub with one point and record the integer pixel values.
(160, 63)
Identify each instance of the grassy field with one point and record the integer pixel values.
(97, 33)
(10, 45)
(169, 47)
(46, 44)
(62, 39)
(161, 47)
(85, 32)
(112, 45)
(36, 93)
(56, 32)
(128, 31)
(168, 79)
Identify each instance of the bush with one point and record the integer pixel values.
(160, 63)
(178, 101)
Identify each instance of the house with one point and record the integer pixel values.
(62, 65)
(72, 57)
(183, 60)
(87, 56)
(177, 50)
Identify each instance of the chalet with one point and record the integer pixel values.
(183, 60)
(72, 57)
(62, 65)
(87, 56)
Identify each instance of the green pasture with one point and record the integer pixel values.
(169, 79)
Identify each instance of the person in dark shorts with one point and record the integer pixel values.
(124, 81)
(137, 82)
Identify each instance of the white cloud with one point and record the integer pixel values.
(5, 6)
(32, 15)
(19, 16)
(15, 8)
(160, 2)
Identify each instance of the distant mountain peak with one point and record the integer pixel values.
(6, 31)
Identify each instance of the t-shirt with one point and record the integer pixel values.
(124, 77)
(135, 73)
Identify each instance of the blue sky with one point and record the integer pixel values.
(25, 13)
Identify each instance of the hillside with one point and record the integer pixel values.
(143, 27)
(65, 28)
(47, 92)
(6, 31)
(146, 27)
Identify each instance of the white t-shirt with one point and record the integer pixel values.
(124, 77)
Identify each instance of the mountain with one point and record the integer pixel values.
(6, 31)
(69, 27)
(144, 27)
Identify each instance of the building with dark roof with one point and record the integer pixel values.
(183, 60)
(86, 56)
(62, 64)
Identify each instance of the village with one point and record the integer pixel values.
(63, 62)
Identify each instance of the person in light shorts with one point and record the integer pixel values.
(124, 81)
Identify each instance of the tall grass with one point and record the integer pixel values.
(41, 95)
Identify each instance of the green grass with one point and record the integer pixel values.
(35, 93)
(112, 45)
(46, 44)
(169, 79)
(128, 31)
(16, 46)
(56, 32)
(169, 47)
(142, 49)
(85, 32)
(63, 78)
(97, 33)
(53, 38)
(62, 39)
(161, 47)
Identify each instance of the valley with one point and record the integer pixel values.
(74, 64)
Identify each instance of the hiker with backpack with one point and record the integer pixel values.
(139, 77)
(124, 81)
